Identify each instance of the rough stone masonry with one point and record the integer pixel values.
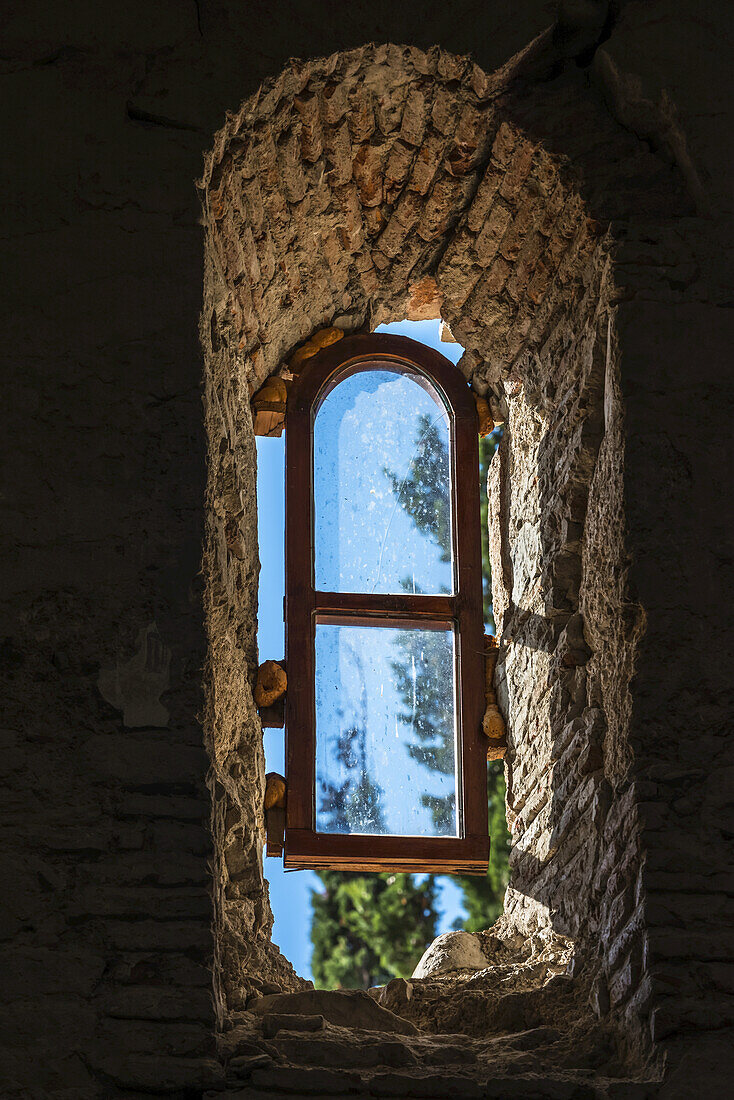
(570, 216)
(387, 182)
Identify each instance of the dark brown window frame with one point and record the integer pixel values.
(304, 847)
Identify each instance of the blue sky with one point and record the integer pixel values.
(366, 434)
(359, 704)
(290, 892)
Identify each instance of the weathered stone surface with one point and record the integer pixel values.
(395, 995)
(104, 461)
(394, 1084)
(346, 1008)
(451, 951)
(346, 1048)
(525, 276)
(504, 1021)
(316, 1082)
(244, 1064)
(273, 1022)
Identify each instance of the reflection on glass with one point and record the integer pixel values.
(385, 730)
(382, 487)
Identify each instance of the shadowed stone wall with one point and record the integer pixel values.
(387, 183)
(372, 186)
(107, 948)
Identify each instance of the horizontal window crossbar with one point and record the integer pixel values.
(306, 848)
(442, 608)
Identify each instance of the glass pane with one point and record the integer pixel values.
(385, 731)
(382, 487)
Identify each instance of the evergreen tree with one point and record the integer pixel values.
(431, 718)
(354, 804)
(424, 496)
(367, 929)
(424, 493)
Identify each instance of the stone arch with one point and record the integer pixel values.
(387, 182)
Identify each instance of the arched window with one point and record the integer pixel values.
(385, 756)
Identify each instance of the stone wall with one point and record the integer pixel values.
(386, 183)
(569, 639)
(346, 190)
(107, 948)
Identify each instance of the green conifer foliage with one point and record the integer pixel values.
(357, 800)
(424, 494)
(431, 719)
(367, 929)
(483, 896)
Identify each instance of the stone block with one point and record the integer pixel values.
(443, 206)
(451, 951)
(140, 762)
(311, 135)
(397, 229)
(150, 936)
(399, 161)
(414, 119)
(426, 163)
(345, 1008)
(274, 1022)
(458, 275)
(365, 1052)
(395, 1084)
(367, 169)
(517, 170)
(293, 178)
(243, 1065)
(39, 970)
(350, 228)
(141, 1002)
(443, 110)
(484, 199)
(492, 233)
(334, 102)
(339, 157)
(524, 268)
(504, 143)
(519, 229)
(362, 116)
(471, 138)
(107, 899)
(315, 1082)
(165, 1074)
(492, 282)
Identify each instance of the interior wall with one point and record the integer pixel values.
(106, 932)
(387, 182)
(106, 935)
(374, 185)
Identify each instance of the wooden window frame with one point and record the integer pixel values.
(304, 847)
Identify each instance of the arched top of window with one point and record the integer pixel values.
(382, 483)
(384, 626)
